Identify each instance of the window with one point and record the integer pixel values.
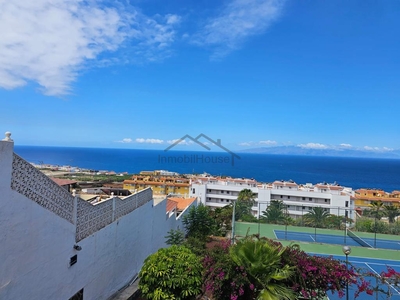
(347, 204)
(309, 199)
(304, 198)
(73, 260)
(310, 208)
(288, 197)
(281, 196)
(326, 200)
(227, 192)
(222, 192)
(346, 214)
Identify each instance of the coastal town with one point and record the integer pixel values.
(217, 191)
(76, 220)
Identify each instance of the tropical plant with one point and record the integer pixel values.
(199, 222)
(377, 209)
(196, 245)
(261, 259)
(223, 219)
(223, 279)
(314, 276)
(173, 273)
(244, 203)
(275, 214)
(391, 212)
(175, 237)
(317, 217)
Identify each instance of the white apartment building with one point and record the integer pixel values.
(218, 192)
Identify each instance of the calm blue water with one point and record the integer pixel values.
(352, 172)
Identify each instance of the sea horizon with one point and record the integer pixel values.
(354, 172)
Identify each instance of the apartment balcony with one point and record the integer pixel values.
(216, 204)
(221, 196)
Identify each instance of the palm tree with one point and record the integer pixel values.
(244, 203)
(274, 214)
(246, 195)
(316, 217)
(391, 212)
(262, 262)
(377, 209)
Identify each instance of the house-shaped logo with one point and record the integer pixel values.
(204, 145)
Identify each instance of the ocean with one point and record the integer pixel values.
(351, 172)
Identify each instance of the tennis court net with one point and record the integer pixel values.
(357, 239)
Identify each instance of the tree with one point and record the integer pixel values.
(377, 209)
(317, 217)
(274, 214)
(171, 273)
(391, 212)
(261, 260)
(199, 222)
(175, 237)
(222, 217)
(244, 203)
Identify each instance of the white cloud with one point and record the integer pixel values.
(377, 149)
(387, 149)
(238, 20)
(368, 148)
(149, 141)
(313, 146)
(268, 142)
(50, 41)
(182, 142)
(345, 145)
(126, 141)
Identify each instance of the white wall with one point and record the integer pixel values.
(36, 246)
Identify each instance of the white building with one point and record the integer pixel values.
(57, 246)
(218, 192)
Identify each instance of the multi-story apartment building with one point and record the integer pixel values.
(364, 197)
(162, 185)
(218, 192)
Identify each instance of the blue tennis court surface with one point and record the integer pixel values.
(334, 239)
(376, 266)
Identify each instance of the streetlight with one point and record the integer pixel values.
(233, 223)
(347, 250)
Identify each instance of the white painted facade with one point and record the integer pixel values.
(40, 224)
(217, 192)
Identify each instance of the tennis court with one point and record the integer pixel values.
(376, 266)
(353, 240)
(327, 242)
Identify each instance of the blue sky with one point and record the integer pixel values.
(141, 74)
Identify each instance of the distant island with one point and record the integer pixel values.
(342, 152)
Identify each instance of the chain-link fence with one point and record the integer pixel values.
(369, 227)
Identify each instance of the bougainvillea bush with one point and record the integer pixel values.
(311, 277)
(223, 279)
(316, 276)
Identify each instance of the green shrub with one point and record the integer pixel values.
(173, 273)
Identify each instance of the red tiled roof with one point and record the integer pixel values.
(182, 203)
(171, 205)
(336, 188)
